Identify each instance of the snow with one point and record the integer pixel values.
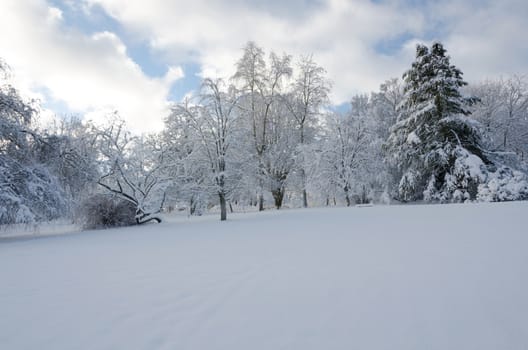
(37, 230)
(505, 184)
(471, 164)
(381, 277)
(412, 138)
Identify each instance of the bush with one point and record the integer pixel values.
(503, 185)
(103, 211)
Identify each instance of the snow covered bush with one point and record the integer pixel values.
(505, 184)
(105, 211)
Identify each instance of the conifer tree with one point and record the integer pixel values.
(434, 149)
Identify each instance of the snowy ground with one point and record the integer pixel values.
(399, 277)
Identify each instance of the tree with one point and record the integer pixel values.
(503, 112)
(309, 95)
(68, 151)
(211, 126)
(515, 125)
(434, 148)
(384, 106)
(260, 88)
(16, 115)
(250, 73)
(348, 160)
(187, 173)
(131, 168)
(279, 158)
(29, 191)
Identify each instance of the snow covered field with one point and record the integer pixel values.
(394, 277)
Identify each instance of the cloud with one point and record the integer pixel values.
(490, 40)
(88, 72)
(360, 43)
(340, 34)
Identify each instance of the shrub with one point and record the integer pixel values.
(103, 211)
(505, 184)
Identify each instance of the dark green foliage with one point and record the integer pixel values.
(433, 136)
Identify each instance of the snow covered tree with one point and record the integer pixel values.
(210, 125)
(345, 153)
(307, 98)
(350, 165)
(515, 115)
(250, 75)
(279, 158)
(187, 175)
(29, 191)
(68, 151)
(260, 84)
(131, 168)
(503, 112)
(434, 148)
(383, 106)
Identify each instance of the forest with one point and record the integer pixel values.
(269, 137)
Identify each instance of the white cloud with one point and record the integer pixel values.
(484, 37)
(491, 40)
(341, 34)
(88, 73)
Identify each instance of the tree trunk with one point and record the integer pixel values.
(192, 207)
(278, 196)
(364, 196)
(303, 184)
(347, 197)
(303, 174)
(143, 218)
(261, 201)
(223, 206)
(144, 221)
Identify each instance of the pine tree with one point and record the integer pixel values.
(434, 148)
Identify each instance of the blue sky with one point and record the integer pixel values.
(90, 56)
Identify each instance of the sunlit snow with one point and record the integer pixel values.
(381, 277)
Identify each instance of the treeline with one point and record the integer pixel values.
(268, 137)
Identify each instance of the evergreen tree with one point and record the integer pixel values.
(434, 148)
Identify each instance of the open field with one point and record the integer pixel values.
(382, 277)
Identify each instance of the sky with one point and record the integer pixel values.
(89, 57)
